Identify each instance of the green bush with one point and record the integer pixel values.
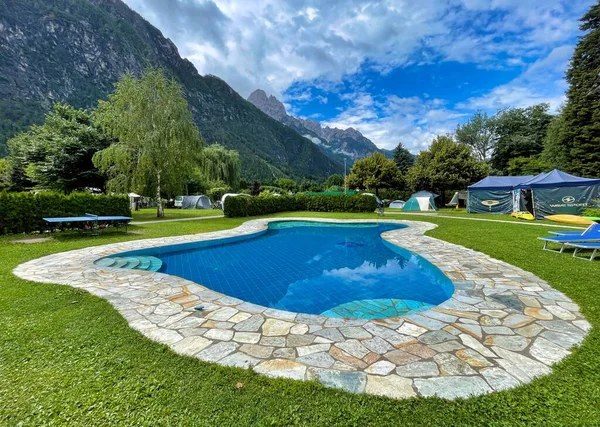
(253, 206)
(273, 189)
(216, 193)
(23, 212)
(592, 212)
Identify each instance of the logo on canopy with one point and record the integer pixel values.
(490, 203)
(568, 199)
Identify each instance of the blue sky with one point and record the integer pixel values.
(396, 70)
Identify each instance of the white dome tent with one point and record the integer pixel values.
(397, 204)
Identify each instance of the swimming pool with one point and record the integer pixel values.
(337, 270)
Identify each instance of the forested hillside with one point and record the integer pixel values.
(75, 50)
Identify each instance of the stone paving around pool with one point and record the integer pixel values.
(502, 327)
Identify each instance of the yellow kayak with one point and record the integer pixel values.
(523, 215)
(570, 219)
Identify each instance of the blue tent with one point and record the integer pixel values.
(556, 178)
(550, 193)
(499, 183)
(558, 192)
(494, 194)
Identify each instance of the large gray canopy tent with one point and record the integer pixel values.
(549, 193)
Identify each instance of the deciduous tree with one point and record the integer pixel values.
(479, 133)
(220, 164)
(158, 142)
(521, 133)
(447, 165)
(286, 184)
(5, 172)
(334, 180)
(533, 165)
(58, 154)
(374, 172)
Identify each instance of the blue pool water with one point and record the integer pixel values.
(339, 270)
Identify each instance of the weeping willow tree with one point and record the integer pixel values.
(221, 165)
(158, 141)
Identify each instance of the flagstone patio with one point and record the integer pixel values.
(501, 328)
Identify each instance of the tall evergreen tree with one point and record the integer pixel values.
(404, 160)
(582, 111)
(556, 153)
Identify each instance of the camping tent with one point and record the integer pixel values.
(421, 201)
(397, 204)
(459, 200)
(133, 201)
(195, 202)
(493, 194)
(558, 192)
(554, 192)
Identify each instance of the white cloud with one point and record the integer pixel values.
(271, 44)
(274, 44)
(541, 82)
(390, 120)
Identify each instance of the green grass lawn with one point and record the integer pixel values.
(149, 214)
(67, 357)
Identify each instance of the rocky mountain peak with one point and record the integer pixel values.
(312, 126)
(268, 104)
(339, 144)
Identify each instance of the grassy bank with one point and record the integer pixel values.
(67, 357)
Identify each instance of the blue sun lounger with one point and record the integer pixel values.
(569, 232)
(592, 246)
(592, 234)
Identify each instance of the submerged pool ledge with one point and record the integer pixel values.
(502, 327)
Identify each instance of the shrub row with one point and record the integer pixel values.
(253, 206)
(23, 212)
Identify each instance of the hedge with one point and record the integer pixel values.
(23, 212)
(253, 206)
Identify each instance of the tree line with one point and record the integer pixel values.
(142, 139)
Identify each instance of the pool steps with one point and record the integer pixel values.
(146, 263)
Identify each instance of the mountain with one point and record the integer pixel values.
(75, 50)
(338, 144)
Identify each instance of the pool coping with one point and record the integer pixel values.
(502, 327)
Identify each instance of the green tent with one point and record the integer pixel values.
(421, 201)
